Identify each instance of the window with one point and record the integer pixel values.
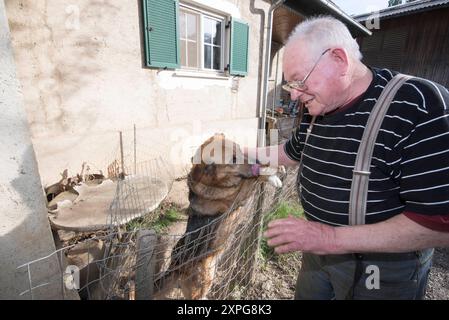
(201, 39)
(182, 36)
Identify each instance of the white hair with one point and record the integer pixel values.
(323, 32)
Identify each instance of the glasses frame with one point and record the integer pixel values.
(301, 84)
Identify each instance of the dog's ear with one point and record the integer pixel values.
(196, 173)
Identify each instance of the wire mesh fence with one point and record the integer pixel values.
(215, 261)
(140, 193)
(130, 256)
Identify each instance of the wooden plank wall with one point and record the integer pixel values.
(416, 44)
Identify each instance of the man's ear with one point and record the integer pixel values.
(341, 59)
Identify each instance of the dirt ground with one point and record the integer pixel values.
(276, 278)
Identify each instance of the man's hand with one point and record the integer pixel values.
(295, 234)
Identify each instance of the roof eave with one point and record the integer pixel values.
(317, 7)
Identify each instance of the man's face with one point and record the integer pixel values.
(322, 87)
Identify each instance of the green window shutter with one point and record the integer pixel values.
(161, 33)
(239, 48)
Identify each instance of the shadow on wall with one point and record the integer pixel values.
(58, 48)
(28, 239)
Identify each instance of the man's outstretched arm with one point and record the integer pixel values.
(397, 234)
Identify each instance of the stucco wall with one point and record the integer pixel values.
(80, 66)
(24, 229)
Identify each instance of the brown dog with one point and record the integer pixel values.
(219, 182)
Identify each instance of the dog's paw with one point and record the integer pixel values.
(275, 181)
(267, 171)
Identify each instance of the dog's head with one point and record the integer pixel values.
(220, 162)
(220, 176)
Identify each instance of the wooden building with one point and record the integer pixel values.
(413, 38)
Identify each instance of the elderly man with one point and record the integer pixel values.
(389, 255)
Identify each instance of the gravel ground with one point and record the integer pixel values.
(438, 286)
(277, 277)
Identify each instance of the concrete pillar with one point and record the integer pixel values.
(25, 233)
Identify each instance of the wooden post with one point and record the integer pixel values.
(145, 264)
(255, 237)
(121, 156)
(135, 151)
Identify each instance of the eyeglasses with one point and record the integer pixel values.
(301, 84)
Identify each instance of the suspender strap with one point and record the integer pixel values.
(360, 178)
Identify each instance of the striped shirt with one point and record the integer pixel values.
(410, 164)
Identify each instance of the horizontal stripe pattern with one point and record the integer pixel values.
(410, 164)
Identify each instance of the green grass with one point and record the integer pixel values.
(166, 220)
(158, 220)
(283, 210)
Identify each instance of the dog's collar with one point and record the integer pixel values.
(255, 169)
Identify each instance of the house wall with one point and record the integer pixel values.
(80, 65)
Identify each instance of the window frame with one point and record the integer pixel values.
(224, 19)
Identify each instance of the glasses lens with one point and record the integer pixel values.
(296, 85)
